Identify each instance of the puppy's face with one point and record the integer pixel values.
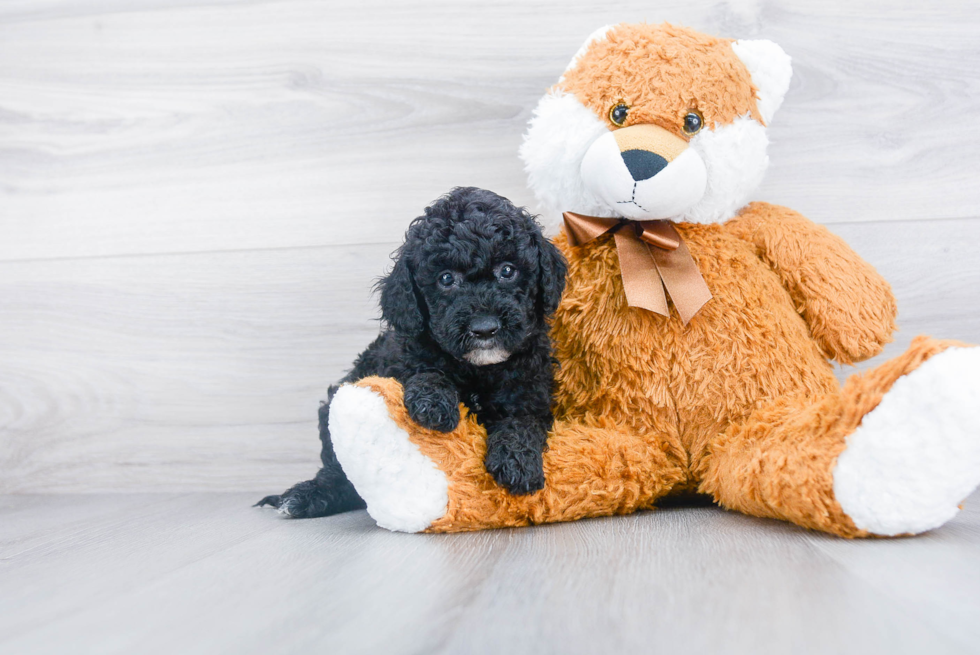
(476, 274)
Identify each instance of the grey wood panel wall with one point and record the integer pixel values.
(196, 197)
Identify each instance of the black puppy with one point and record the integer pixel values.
(466, 306)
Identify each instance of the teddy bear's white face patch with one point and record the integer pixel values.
(558, 136)
(724, 166)
(640, 182)
(736, 160)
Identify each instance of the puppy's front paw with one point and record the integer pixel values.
(519, 470)
(432, 402)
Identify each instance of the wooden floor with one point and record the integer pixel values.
(206, 573)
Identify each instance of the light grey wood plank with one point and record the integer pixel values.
(29, 522)
(934, 272)
(694, 580)
(203, 371)
(943, 566)
(339, 583)
(205, 573)
(154, 127)
(176, 372)
(68, 570)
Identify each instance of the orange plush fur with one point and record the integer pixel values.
(741, 403)
(695, 71)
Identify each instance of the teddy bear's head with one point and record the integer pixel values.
(656, 122)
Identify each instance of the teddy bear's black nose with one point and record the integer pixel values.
(643, 164)
(484, 327)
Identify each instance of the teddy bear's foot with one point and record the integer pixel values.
(403, 489)
(916, 456)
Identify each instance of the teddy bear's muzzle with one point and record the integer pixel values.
(644, 172)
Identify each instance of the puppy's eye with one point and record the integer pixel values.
(507, 272)
(447, 280)
(693, 122)
(618, 113)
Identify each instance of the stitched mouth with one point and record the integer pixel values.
(632, 200)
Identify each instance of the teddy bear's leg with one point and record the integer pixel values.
(893, 452)
(415, 479)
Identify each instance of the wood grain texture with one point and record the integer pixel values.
(196, 197)
(147, 127)
(205, 573)
(176, 371)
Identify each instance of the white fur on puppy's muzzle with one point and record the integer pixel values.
(486, 356)
(668, 194)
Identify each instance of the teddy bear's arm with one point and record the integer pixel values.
(849, 307)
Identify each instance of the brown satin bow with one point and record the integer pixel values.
(652, 256)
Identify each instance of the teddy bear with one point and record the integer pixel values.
(696, 330)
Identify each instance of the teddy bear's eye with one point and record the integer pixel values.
(447, 280)
(693, 122)
(618, 113)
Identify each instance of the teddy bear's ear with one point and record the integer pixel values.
(771, 71)
(598, 35)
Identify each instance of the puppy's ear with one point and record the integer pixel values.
(399, 301)
(551, 275)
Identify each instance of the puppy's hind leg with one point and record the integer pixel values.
(330, 492)
(324, 495)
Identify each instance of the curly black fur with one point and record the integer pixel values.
(466, 306)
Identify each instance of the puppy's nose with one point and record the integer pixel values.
(643, 164)
(484, 327)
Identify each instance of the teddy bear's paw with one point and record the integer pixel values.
(403, 489)
(916, 456)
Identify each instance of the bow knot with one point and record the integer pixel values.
(652, 256)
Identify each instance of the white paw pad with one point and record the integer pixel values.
(403, 489)
(916, 456)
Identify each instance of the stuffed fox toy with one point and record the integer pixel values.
(696, 329)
